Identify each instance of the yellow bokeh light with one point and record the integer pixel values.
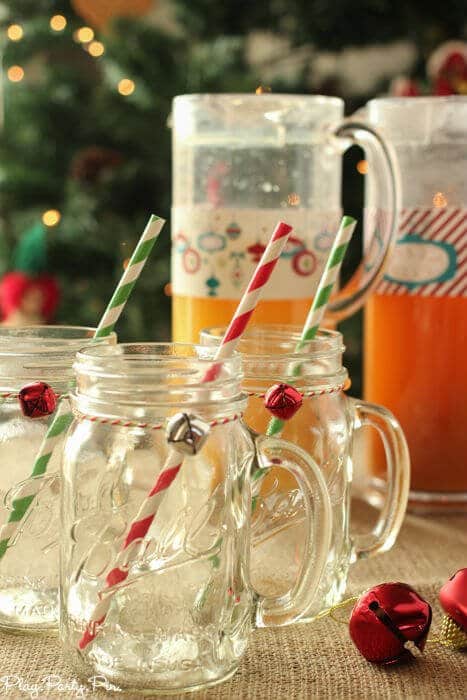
(96, 48)
(168, 289)
(15, 32)
(362, 167)
(51, 217)
(126, 86)
(293, 199)
(15, 74)
(85, 34)
(262, 89)
(58, 23)
(439, 200)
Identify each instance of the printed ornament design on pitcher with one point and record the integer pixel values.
(215, 250)
(430, 256)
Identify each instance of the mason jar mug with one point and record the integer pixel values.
(35, 372)
(323, 427)
(156, 503)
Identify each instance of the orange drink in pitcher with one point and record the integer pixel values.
(416, 322)
(243, 162)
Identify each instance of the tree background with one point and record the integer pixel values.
(71, 142)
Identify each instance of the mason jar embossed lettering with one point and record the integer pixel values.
(155, 581)
(35, 372)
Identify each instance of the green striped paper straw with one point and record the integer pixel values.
(320, 301)
(63, 416)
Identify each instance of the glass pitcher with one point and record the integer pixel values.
(324, 428)
(240, 164)
(35, 362)
(174, 577)
(416, 322)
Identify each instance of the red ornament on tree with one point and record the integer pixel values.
(37, 400)
(283, 401)
(453, 599)
(390, 622)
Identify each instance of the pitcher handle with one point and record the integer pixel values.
(289, 607)
(384, 533)
(386, 181)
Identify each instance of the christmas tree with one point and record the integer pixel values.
(88, 84)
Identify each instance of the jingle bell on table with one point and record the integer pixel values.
(37, 400)
(453, 599)
(283, 401)
(390, 622)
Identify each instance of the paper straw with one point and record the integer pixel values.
(174, 461)
(63, 417)
(320, 301)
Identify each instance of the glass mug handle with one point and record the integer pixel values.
(288, 607)
(386, 181)
(384, 533)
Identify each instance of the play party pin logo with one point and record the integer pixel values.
(430, 256)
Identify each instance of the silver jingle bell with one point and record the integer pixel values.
(187, 433)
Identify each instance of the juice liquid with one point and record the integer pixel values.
(191, 314)
(416, 365)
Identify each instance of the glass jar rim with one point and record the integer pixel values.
(47, 341)
(43, 353)
(326, 343)
(419, 100)
(34, 340)
(130, 379)
(151, 359)
(264, 98)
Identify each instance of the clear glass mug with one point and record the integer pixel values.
(240, 164)
(324, 428)
(416, 322)
(179, 617)
(29, 527)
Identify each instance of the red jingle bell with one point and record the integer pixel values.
(37, 400)
(390, 622)
(283, 401)
(453, 599)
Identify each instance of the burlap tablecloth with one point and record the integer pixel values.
(317, 660)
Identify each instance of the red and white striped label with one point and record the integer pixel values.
(430, 256)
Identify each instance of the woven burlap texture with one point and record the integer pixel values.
(316, 660)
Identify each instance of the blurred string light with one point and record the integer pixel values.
(362, 167)
(51, 217)
(96, 48)
(15, 32)
(58, 23)
(126, 86)
(84, 35)
(439, 200)
(15, 74)
(293, 199)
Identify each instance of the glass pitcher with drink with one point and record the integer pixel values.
(240, 163)
(416, 322)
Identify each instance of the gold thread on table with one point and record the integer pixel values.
(329, 612)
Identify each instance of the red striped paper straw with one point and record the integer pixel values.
(174, 461)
